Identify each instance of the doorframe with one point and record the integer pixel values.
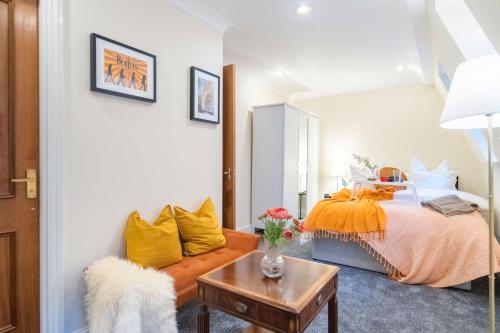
(51, 79)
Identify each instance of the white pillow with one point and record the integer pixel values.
(417, 166)
(441, 168)
(443, 181)
(439, 178)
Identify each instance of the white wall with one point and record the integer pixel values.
(248, 95)
(121, 154)
(391, 125)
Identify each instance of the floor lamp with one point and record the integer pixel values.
(473, 102)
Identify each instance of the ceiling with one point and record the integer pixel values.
(341, 46)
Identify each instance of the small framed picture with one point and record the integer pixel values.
(205, 96)
(121, 70)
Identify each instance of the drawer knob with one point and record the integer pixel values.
(240, 307)
(320, 299)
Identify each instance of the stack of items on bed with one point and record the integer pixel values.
(440, 245)
(450, 205)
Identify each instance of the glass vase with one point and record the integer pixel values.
(272, 264)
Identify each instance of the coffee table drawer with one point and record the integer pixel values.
(319, 300)
(245, 308)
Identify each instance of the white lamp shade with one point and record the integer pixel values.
(474, 93)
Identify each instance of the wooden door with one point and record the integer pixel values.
(228, 147)
(19, 217)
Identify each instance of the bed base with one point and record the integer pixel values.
(351, 254)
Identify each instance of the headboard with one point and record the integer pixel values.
(388, 172)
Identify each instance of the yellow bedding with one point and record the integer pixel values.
(349, 218)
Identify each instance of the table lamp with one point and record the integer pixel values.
(337, 171)
(473, 102)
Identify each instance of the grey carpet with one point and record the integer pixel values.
(370, 302)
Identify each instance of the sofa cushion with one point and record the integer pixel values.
(186, 271)
(153, 245)
(199, 230)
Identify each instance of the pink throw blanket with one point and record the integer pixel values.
(429, 248)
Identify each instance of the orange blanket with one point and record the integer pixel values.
(347, 218)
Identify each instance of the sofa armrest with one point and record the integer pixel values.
(241, 241)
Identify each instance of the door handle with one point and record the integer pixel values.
(30, 181)
(228, 173)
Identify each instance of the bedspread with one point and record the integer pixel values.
(429, 248)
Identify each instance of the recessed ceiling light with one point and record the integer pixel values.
(304, 10)
(400, 68)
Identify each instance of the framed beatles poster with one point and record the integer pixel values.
(121, 70)
(205, 96)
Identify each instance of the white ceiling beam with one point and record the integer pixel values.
(205, 13)
(464, 28)
(418, 14)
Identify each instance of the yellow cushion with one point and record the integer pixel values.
(153, 245)
(199, 230)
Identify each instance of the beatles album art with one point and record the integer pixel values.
(121, 70)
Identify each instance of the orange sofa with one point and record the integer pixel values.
(186, 271)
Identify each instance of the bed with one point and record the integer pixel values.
(351, 254)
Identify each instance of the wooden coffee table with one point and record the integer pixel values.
(287, 304)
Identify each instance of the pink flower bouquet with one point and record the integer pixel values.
(279, 226)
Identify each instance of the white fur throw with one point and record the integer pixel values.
(122, 297)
